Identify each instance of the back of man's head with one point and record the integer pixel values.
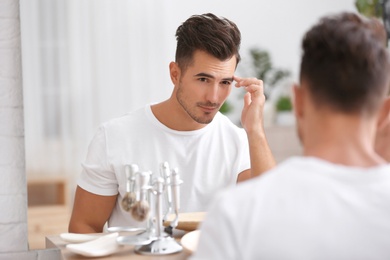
(215, 35)
(345, 63)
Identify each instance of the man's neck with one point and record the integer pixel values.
(173, 116)
(342, 139)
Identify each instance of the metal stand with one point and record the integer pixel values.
(161, 246)
(154, 241)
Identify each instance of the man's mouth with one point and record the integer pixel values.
(208, 109)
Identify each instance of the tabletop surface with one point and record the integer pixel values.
(124, 252)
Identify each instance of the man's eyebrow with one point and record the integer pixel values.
(202, 74)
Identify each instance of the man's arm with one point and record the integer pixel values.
(252, 120)
(90, 212)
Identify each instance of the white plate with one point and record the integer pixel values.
(190, 241)
(102, 246)
(77, 238)
(126, 229)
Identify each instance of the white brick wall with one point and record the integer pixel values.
(13, 191)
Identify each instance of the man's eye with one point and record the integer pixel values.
(227, 83)
(203, 79)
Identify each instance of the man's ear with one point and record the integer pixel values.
(384, 114)
(298, 100)
(386, 105)
(174, 72)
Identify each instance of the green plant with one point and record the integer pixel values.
(226, 108)
(369, 8)
(262, 68)
(373, 8)
(283, 104)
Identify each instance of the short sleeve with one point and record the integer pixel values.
(98, 176)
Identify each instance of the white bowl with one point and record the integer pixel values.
(102, 246)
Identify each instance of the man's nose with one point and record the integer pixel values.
(212, 94)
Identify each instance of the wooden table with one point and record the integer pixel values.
(125, 252)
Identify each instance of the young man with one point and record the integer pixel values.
(187, 131)
(334, 201)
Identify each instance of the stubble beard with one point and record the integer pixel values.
(191, 112)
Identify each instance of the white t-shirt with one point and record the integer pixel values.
(305, 208)
(208, 159)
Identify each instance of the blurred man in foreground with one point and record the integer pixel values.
(334, 201)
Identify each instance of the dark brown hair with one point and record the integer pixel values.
(345, 63)
(217, 36)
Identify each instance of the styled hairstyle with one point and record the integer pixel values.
(217, 36)
(345, 63)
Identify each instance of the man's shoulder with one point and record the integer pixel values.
(286, 175)
(223, 119)
(224, 123)
(289, 168)
(128, 117)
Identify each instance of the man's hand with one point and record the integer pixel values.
(252, 121)
(254, 99)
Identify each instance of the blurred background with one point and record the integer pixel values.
(85, 62)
